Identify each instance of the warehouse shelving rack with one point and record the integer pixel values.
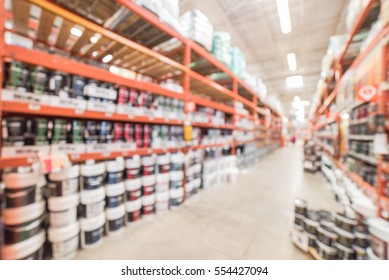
(141, 59)
(374, 76)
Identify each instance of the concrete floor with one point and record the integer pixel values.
(247, 220)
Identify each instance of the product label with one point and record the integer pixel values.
(62, 249)
(147, 190)
(64, 102)
(94, 209)
(93, 236)
(176, 184)
(63, 188)
(133, 216)
(68, 148)
(174, 202)
(90, 183)
(114, 201)
(102, 148)
(126, 147)
(149, 209)
(133, 173)
(116, 224)
(95, 105)
(15, 234)
(163, 168)
(148, 170)
(25, 97)
(115, 177)
(99, 92)
(25, 151)
(20, 197)
(133, 195)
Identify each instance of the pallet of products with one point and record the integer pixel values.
(312, 156)
(196, 26)
(221, 47)
(339, 236)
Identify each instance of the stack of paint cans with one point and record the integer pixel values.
(24, 214)
(193, 171)
(92, 203)
(148, 185)
(22, 131)
(63, 199)
(162, 194)
(115, 196)
(133, 189)
(177, 193)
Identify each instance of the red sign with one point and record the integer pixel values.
(367, 93)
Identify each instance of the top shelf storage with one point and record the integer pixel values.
(126, 35)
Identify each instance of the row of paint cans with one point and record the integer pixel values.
(24, 213)
(337, 236)
(193, 172)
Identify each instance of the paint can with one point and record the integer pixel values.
(148, 163)
(326, 252)
(64, 182)
(176, 179)
(114, 194)
(64, 241)
(133, 166)
(344, 253)
(63, 210)
(115, 171)
(148, 185)
(327, 235)
(92, 202)
(116, 219)
(148, 205)
(92, 231)
(163, 164)
(133, 189)
(379, 231)
(133, 210)
(176, 197)
(162, 184)
(177, 162)
(345, 223)
(29, 249)
(162, 202)
(92, 175)
(300, 207)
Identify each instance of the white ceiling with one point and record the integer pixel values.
(255, 28)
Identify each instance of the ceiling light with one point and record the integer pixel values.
(284, 16)
(94, 54)
(107, 58)
(292, 61)
(344, 116)
(295, 81)
(297, 99)
(76, 32)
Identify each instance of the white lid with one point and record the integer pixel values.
(189, 186)
(60, 234)
(16, 180)
(92, 196)
(163, 159)
(115, 213)
(134, 184)
(344, 233)
(62, 203)
(346, 220)
(148, 160)
(148, 180)
(326, 232)
(20, 215)
(68, 173)
(114, 189)
(163, 178)
(379, 228)
(148, 199)
(115, 165)
(162, 196)
(133, 162)
(326, 248)
(23, 249)
(92, 223)
(177, 158)
(134, 205)
(176, 175)
(343, 248)
(176, 193)
(92, 169)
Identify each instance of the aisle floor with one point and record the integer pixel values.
(250, 219)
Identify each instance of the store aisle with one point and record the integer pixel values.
(247, 220)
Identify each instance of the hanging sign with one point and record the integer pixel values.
(366, 93)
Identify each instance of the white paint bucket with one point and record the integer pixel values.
(64, 241)
(63, 210)
(92, 202)
(64, 182)
(92, 231)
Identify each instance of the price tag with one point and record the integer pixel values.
(75, 156)
(108, 114)
(79, 111)
(34, 106)
(106, 154)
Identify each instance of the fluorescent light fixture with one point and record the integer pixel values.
(295, 81)
(113, 69)
(95, 38)
(76, 32)
(292, 61)
(305, 103)
(107, 58)
(284, 15)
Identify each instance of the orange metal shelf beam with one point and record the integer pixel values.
(77, 68)
(26, 108)
(357, 24)
(212, 104)
(210, 125)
